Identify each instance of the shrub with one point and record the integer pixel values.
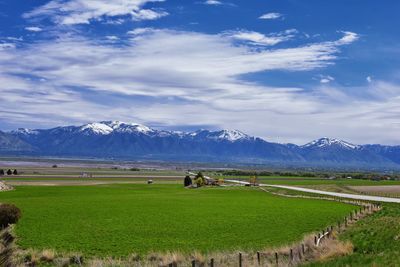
(1, 172)
(15, 172)
(9, 214)
(9, 172)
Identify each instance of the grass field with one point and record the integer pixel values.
(376, 241)
(117, 220)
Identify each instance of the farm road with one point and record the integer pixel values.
(327, 193)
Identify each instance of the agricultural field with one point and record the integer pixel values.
(376, 241)
(117, 220)
(114, 212)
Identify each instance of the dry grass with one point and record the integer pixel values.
(47, 255)
(328, 249)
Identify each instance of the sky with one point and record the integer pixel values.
(284, 70)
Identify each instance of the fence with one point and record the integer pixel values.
(301, 251)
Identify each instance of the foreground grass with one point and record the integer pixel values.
(117, 220)
(376, 240)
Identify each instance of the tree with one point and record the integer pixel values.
(9, 172)
(187, 181)
(1, 172)
(199, 181)
(9, 214)
(253, 180)
(15, 172)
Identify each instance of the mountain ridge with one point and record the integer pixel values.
(133, 140)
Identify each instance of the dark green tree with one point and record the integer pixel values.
(187, 181)
(9, 214)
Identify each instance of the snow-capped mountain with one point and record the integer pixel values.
(107, 127)
(329, 142)
(135, 141)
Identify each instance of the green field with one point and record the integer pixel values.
(376, 241)
(117, 220)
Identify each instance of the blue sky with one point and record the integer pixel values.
(287, 71)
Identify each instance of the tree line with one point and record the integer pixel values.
(8, 172)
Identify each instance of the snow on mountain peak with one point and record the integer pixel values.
(127, 127)
(232, 135)
(25, 131)
(107, 127)
(97, 128)
(326, 142)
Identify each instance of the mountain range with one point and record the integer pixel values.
(119, 140)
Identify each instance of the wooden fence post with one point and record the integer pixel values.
(240, 259)
(291, 255)
(276, 258)
(193, 263)
(212, 262)
(258, 258)
(315, 240)
(303, 249)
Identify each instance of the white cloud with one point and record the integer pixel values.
(34, 29)
(349, 37)
(139, 31)
(212, 2)
(369, 79)
(6, 46)
(70, 12)
(112, 37)
(158, 75)
(271, 16)
(326, 79)
(262, 39)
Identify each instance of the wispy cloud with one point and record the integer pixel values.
(212, 2)
(271, 16)
(33, 29)
(326, 79)
(70, 12)
(348, 38)
(160, 74)
(262, 39)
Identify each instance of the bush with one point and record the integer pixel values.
(9, 214)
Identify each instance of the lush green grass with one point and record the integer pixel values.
(117, 220)
(376, 241)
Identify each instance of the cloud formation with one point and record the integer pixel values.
(212, 2)
(33, 29)
(168, 77)
(271, 16)
(70, 12)
(262, 39)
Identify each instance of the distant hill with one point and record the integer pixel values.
(113, 139)
(11, 143)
